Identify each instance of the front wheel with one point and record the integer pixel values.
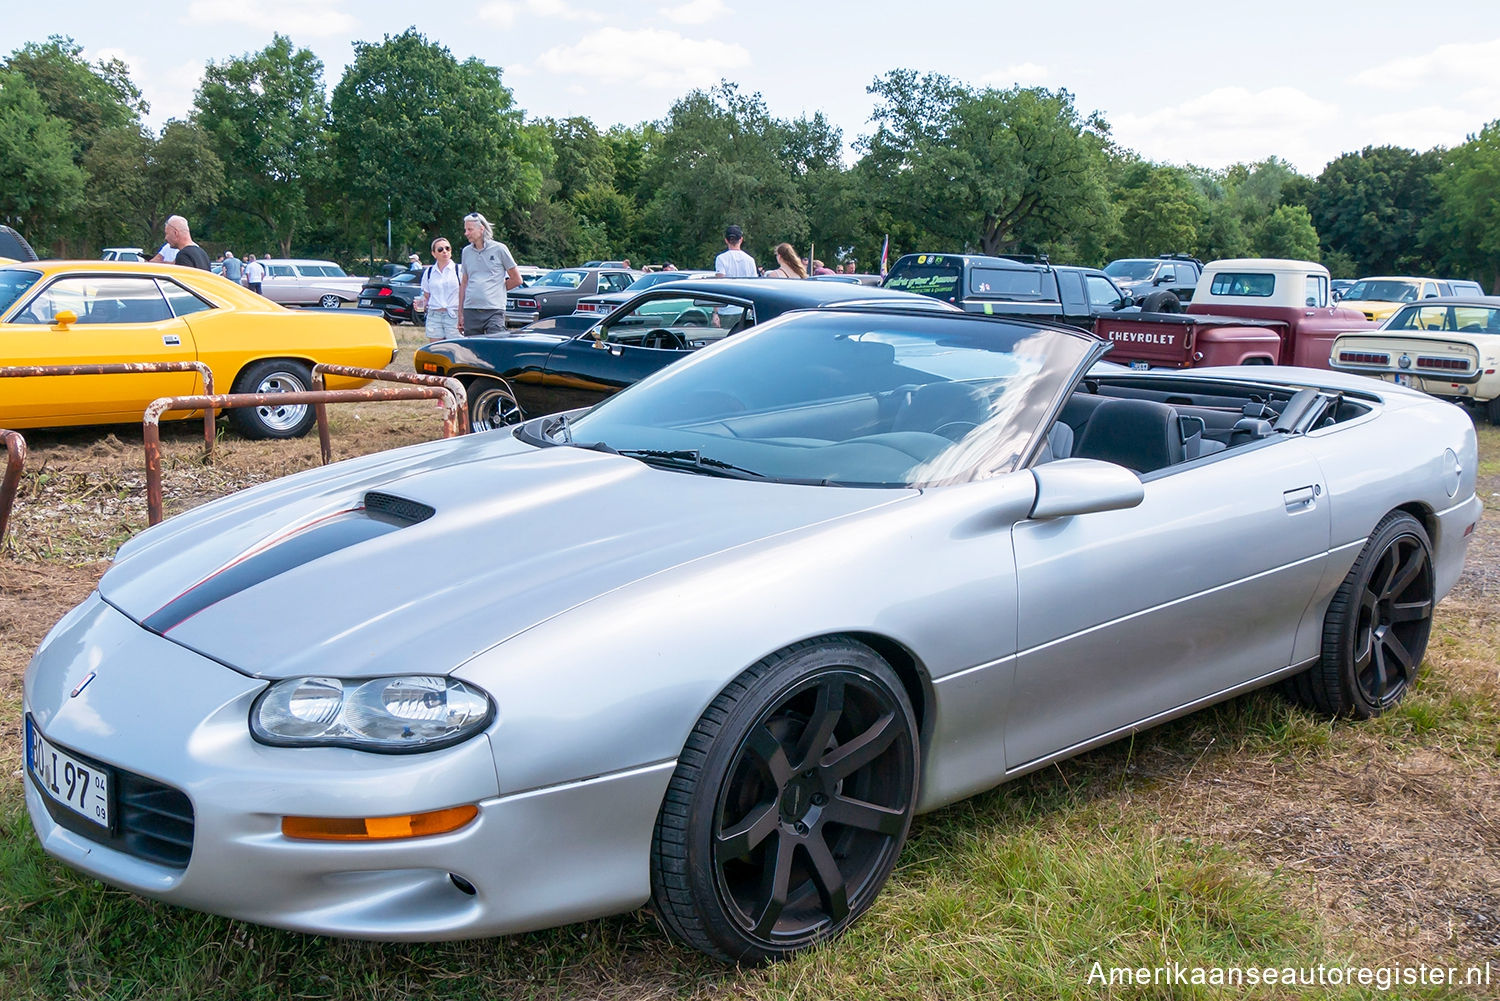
(789, 806)
(330, 302)
(492, 405)
(270, 420)
(1492, 410)
(1376, 629)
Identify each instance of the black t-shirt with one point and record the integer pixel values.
(193, 256)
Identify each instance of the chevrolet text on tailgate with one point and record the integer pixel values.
(1248, 311)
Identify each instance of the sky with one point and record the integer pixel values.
(1200, 83)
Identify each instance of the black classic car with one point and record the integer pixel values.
(557, 292)
(533, 372)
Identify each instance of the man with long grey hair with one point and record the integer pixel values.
(488, 272)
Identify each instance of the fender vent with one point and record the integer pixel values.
(397, 508)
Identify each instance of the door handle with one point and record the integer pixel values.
(1301, 498)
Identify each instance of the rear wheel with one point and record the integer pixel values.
(1492, 410)
(492, 405)
(277, 375)
(1376, 629)
(330, 302)
(789, 806)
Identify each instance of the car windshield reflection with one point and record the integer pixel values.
(843, 399)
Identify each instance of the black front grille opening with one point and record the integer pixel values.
(400, 509)
(156, 821)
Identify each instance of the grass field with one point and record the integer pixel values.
(1253, 834)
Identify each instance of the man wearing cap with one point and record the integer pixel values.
(734, 262)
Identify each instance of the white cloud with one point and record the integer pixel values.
(506, 12)
(307, 18)
(169, 90)
(1234, 125)
(1022, 74)
(646, 58)
(1465, 65)
(695, 12)
(1423, 128)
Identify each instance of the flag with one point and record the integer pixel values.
(885, 250)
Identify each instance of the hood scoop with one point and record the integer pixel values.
(381, 514)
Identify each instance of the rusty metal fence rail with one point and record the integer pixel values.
(129, 368)
(15, 458)
(384, 375)
(151, 426)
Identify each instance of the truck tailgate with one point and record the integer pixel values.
(1171, 340)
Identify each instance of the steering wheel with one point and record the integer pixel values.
(662, 337)
(962, 427)
(692, 318)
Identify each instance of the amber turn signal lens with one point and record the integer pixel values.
(414, 825)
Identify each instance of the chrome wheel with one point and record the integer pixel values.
(492, 405)
(330, 302)
(273, 420)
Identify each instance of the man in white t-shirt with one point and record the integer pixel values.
(734, 262)
(166, 255)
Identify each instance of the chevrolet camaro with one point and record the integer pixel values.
(93, 312)
(713, 642)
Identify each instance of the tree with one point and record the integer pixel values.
(585, 158)
(264, 115)
(429, 139)
(1371, 205)
(719, 161)
(1161, 211)
(139, 180)
(93, 98)
(996, 169)
(1287, 232)
(1467, 221)
(40, 185)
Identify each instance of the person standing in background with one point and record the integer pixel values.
(255, 274)
(488, 273)
(189, 254)
(790, 263)
(734, 262)
(440, 292)
(233, 270)
(166, 255)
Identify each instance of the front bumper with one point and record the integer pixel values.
(534, 858)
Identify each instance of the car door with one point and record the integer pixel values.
(282, 285)
(1127, 615)
(120, 318)
(634, 342)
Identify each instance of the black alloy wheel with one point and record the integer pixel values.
(789, 806)
(1376, 630)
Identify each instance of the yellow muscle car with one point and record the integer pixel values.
(93, 312)
(1379, 297)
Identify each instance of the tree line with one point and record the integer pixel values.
(269, 160)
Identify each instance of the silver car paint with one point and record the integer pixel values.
(598, 687)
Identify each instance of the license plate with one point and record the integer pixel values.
(1402, 379)
(367, 302)
(81, 787)
(1140, 366)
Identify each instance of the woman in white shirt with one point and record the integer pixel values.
(440, 292)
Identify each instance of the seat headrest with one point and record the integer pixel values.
(1141, 435)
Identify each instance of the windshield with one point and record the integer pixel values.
(12, 283)
(1382, 290)
(1466, 319)
(562, 279)
(1131, 271)
(935, 277)
(850, 399)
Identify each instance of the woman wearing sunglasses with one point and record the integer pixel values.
(440, 292)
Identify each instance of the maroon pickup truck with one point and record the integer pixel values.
(1253, 311)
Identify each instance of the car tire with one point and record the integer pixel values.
(330, 302)
(1161, 301)
(1492, 410)
(1376, 630)
(277, 375)
(790, 804)
(492, 405)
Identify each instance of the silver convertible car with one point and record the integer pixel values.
(712, 643)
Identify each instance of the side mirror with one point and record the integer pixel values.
(1124, 302)
(64, 319)
(1162, 279)
(1430, 295)
(1082, 486)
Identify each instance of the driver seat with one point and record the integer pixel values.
(1141, 435)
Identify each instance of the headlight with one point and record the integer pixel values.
(388, 715)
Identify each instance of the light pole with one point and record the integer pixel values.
(388, 227)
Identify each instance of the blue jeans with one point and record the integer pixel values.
(441, 325)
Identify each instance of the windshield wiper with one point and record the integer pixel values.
(687, 459)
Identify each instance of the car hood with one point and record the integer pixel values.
(466, 543)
